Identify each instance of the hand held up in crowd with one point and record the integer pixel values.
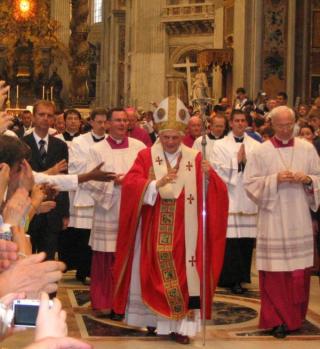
(4, 180)
(51, 321)
(59, 167)
(17, 207)
(6, 121)
(8, 254)
(31, 275)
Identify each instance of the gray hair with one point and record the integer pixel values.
(279, 110)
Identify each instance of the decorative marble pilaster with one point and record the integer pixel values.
(147, 53)
(239, 44)
(290, 51)
(275, 39)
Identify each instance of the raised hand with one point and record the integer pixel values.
(17, 207)
(5, 121)
(59, 167)
(51, 322)
(170, 177)
(31, 275)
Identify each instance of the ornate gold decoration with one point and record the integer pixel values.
(168, 271)
(24, 10)
(28, 24)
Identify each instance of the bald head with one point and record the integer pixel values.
(194, 126)
(282, 112)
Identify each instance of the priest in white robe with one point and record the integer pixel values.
(81, 202)
(118, 153)
(218, 125)
(283, 178)
(229, 158)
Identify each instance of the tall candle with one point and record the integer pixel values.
(9, 94)
(17, 92)
(42, 91)
(51, 93)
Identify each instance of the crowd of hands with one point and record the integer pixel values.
(23, 274)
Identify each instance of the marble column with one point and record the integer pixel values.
(255, 18)
(218, 43)
(239, 46)
(147, 53)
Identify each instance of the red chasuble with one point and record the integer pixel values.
(162, 265)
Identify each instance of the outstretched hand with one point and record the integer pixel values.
(96, 174)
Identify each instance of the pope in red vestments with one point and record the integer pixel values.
(170, 267)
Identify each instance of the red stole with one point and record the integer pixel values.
(163, 279)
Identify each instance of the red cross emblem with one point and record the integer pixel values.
(192, 261)
(190, 199)
(189, 166)
(159, 160)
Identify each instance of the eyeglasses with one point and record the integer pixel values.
(284, 126)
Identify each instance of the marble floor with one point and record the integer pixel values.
(234, 323)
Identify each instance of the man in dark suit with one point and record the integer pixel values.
(46, 152)
(26, 123)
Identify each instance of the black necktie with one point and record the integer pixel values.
(239, 139)
(95, 139)
(42, 151)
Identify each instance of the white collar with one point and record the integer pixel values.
(118, 141)
(173, 156)
(99, 137)
(37, 138)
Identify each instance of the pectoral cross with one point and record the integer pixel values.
(189, 166)
(192, 261)
(190, 199)
(159, 160)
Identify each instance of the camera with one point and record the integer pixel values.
(25, 312)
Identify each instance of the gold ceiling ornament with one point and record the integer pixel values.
(24, 10)
(38, 30)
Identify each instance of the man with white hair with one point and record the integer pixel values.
(158, 262)
(282, 177)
